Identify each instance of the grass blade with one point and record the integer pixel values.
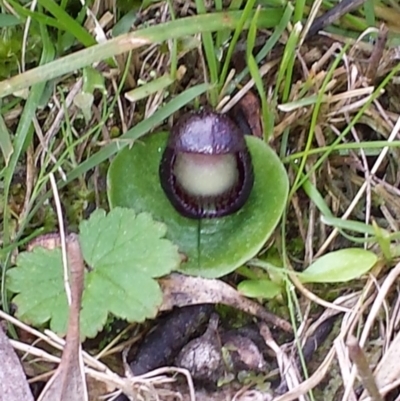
(124, 43)
(6, 146)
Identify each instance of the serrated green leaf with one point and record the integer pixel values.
(38, 280)
(124, 252)
(123, 240)
(339, 266)
(108, 291)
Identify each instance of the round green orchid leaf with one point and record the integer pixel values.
(213, 247)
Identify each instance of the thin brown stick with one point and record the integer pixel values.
(377, 53)
(364, 372)
(342, 8)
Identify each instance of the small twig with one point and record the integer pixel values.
(62, 235)
(287, 365)
(377, 53)
(335, 13)
(358, 357)
(376, 307)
